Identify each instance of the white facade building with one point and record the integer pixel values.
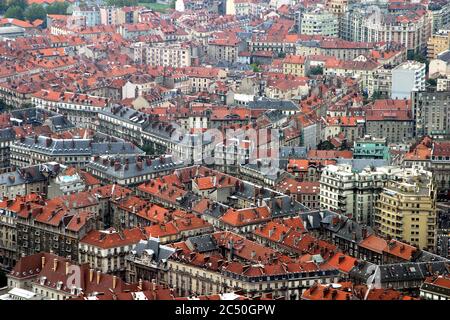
(406, 78)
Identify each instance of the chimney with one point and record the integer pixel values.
(140, 284)
(42, 262)
(91, 275)
(67, 268)
(55, 264)
(98, 277)
(153, 284)
(114, 282)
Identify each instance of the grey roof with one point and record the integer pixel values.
(313, 219)
(270, 104)
(345, 228)
(86, 147)
(59, 123)
(399, 272)
(425, 256)
(202, 243)
(217, 210)
(133, 166)
(275, 115)
(444, 56)
(39, 116)
(360, 164)
(7, 134)
(293, 152)
(411, 271)
(274, 175)
(129, 115)
(30, 174)
(9, 30)
(284, 206)
(152, 245)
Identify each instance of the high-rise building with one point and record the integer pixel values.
(366, 22)
(319, 22)
(431, 112)
(437, 43)
(406, 78)
(353, 193)
(406, 208)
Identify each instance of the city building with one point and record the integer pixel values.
(406, 209)
(371, 148)
(353, 194)
(407, 77)
(105, 250)
(436, 288)
(431, 111)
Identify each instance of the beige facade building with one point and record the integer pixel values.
(294, 65)
(406, 209)
(437, 43)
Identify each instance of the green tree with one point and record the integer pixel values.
(325, 145)
(15, 12)
(57, 8)
(432, 82)
(35, 11)
(3, 281)
(17, 3)
(376, 95)
(255, 67)
(3, 7)
(316, 70)
(122, 3)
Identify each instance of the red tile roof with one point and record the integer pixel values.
(112, 239)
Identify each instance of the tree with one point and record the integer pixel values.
(34, 12)
(376, 95)
(19, 3)
(325, 145)
(3, 6)
(57, 8)
(14, 12)
(122, 3)
(316, 70)
(432, 82)
(255, 67)
(3, 281)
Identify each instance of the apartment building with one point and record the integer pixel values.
(440, 166)
(407, 78)
(149, 261)
(406, 209)
(294, 65)
(223, 49)
(391, 119)
(74, 152)
(105, 250)
(29, 179)
(437, 43)
(431, 111)
(131, 170)
(211, 274)
(56, 225)
(436, 288)
(318, 22)
(176, 55)
(364, 22)
(80, 109)
(351, 193)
